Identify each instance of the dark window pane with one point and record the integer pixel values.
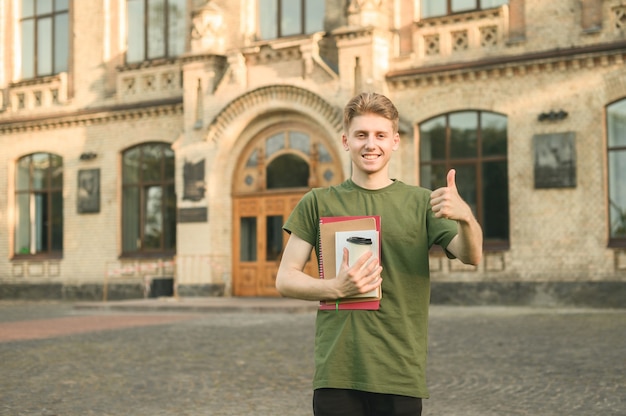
(431, 8)
(130, 218)
(61, 5)
(274, 143)
(41, 163)
(433, 139)
(156, 29)
(616, 123)
(56, 219)
(22, 175)
(28, 49)
(291, 18)
(495, 201)
(466, 182)
(41, 218)
(617, 193)
(61, 42)
(268, 19)
(56, 172)
(253, 160)
(274, 238)
(493, 130)
(130, 169)
(287, 171)
(323, 154)
(462, 5)
(22, 223)
(28, 8)
(44, 46)
(176, 30)
(44, 6)
(314, 16)
(169, 221)
(136, 35)
(463, 132)
(616, 115)
(433, 176)
(247, 247)
(169, 159)
(486, 4)
(151, 162)
(300, 141)
(153, 217)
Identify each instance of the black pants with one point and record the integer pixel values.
(343, 402)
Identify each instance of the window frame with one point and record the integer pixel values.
(48, 190)
(479, 161)
(450, 11)
(304, 7)
(142, 186)
(56, 56)
(612, 241)
(166, 32)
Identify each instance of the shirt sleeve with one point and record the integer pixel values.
(304, 219)
(440, 232)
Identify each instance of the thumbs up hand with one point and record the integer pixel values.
(447, 203)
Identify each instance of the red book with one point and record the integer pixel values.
(331, 253)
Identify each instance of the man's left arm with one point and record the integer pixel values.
(446, 202)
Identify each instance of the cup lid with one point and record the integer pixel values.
(359, 240)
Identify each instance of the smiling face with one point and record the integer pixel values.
(371, 140)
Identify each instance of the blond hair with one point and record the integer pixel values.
(370, 103)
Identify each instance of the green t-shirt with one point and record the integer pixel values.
(381, 351)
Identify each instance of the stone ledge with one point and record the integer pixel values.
(608, 294)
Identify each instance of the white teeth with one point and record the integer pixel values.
(370, 156)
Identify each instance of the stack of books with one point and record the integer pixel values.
(358, 234)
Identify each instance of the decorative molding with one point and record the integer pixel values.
(456, 18)
(574, 59)
(38, 94)
(348, 33)
(95, 116)
(260, 97)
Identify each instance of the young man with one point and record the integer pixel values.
(373, 362)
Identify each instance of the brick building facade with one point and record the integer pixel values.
(144, 141)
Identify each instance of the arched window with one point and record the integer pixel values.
(287, 171)
(285, 157)
(39, 205)
(475, 144)
(148, 200)
(616, 156)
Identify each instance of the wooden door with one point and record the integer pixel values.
(259, 241)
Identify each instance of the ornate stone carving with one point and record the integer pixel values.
(207, 28)
(366, 13)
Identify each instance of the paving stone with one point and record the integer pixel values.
(484, 361)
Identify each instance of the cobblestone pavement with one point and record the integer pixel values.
(484, 361)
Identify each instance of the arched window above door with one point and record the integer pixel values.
(286, 157)
(287, 171)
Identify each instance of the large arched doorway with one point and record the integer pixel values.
(279, 166)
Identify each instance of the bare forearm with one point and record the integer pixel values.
(467, 246)
(296, 284)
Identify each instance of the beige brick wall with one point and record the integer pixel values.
(555, 234)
